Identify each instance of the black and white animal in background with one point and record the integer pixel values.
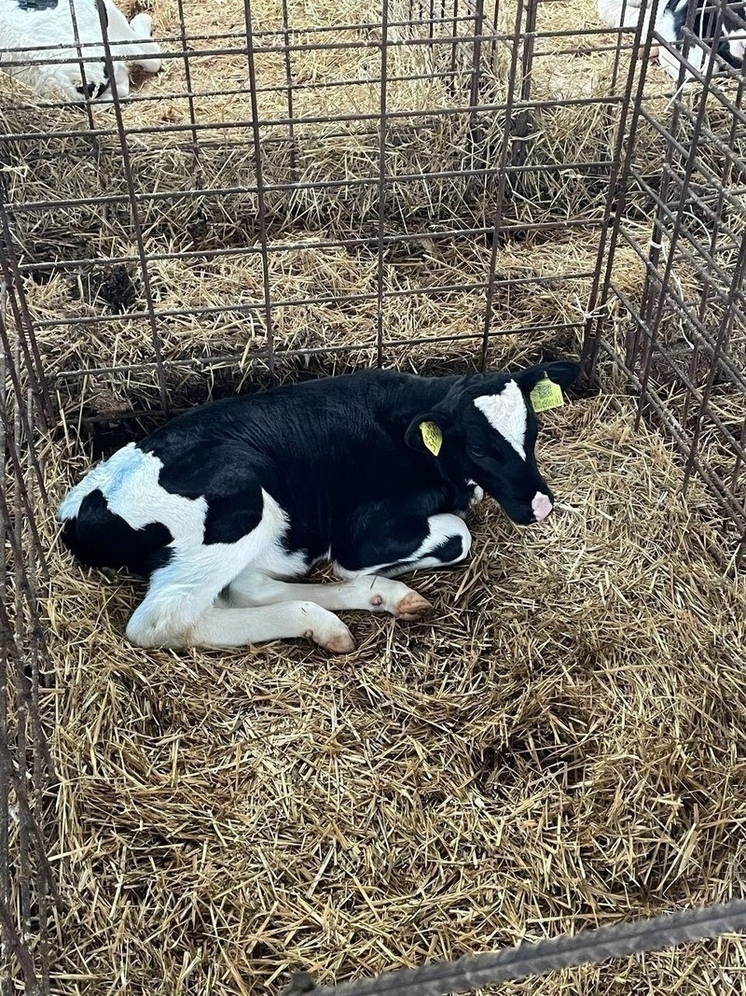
(374, 472)
(721, 29)
(29, 27)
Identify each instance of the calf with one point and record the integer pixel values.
(718, 26)
(29, 27)
(372, 471)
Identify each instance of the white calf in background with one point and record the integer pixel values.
(29, 27)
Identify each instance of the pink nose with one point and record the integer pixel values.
(541, 506)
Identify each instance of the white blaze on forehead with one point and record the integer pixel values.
(506, 412)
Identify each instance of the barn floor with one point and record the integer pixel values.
(561, 745)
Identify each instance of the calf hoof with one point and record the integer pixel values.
(412, 607)
(398, 599)
(339, 642)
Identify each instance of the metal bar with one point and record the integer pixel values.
(6, 636)
(245, 307)
(21, 313)
(500, 196)
(189, 88)
(354, 242)
(658, 313)
(134, 212)
(356, 118)
(244, 358)
(216, 192)
(624, 151)
(726, 326)
(471, 972)
(289, 86)
(261, 191)
(685, 379)
(382, 142)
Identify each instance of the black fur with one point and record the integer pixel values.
(37, 4)
(100, 538)
(708, 21)
(344, 459)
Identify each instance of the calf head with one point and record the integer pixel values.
(485, 433)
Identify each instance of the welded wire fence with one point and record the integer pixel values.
(425, 184)
(679, 341)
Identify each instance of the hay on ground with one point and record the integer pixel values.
(560, 746)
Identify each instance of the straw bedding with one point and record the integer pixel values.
(560, 745)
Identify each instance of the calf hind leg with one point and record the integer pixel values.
(234, 627)
(144, 52)
(221, 627)
(179, 610)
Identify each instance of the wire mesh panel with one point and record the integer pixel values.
(27, 884)
(307, 188)
(303, 187)
(299, 182)
(681, 338)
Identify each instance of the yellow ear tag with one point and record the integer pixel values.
(432, 437)
(546, 395)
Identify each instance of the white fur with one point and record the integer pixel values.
(229, 594)
(129, 481)
(611, 12)
(737, 43)
(253, 587)
(507, 414)
(616, 15)
(220, 627)
(182, 591)
(24, 35)
(478, 494)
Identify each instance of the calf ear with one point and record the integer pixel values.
(426, 432)
(560, 372)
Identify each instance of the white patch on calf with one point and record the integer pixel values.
(507, 414)
(195, 576)
(21, 31)
(478, 493)
(189, 584)
(737, 42)
(442, 528)
(129, 482)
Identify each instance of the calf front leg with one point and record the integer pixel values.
(429, 544)
(366, 593)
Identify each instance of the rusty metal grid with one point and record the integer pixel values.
(465, 29)
(680, 344)
(678, 350)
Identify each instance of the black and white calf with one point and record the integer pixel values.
(373, 472)
(719, 25)
(29, 27)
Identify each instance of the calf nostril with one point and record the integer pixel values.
(541, 506)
